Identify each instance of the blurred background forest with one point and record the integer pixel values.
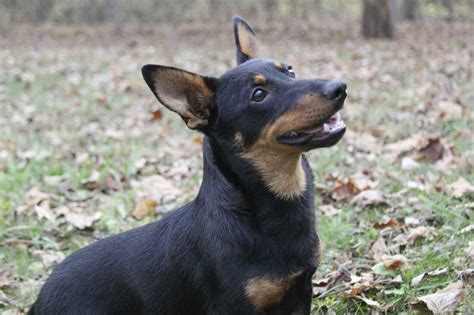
(86, 151)
(118, 12)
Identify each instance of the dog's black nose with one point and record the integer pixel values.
(335, 89)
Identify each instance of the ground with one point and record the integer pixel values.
(86, 151)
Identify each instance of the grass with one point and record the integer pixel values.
(70, 111)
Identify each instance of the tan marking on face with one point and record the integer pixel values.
(259, 79)
(279, 164)
(264, 292)
(248, 42)
(280, 65)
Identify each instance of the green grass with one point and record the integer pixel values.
(76, 104)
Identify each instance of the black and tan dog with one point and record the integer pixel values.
(247, 244)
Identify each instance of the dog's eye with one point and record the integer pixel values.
(258, 95)
(291, 71)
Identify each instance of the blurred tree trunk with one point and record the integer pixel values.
(377, 19)
(448, 4)
(43, 9)
(410, 10)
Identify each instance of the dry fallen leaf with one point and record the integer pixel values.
(444, 301)
(157, 114)
(411, 221)
(460, 188)
(387, 223)
(49, 258)
(433, 151)
(368, 198)
(419, 232)
(378, 248)
(449, 111)
(144, 207)
(78, 217)
(470, 253)
(5, 277)
(354, 184)
(355, 289)
(329, 210)
(91, 183)
(371, 303)
(409, 164)
(415, 281)
(394, 262)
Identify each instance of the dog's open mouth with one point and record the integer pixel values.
(324, 134)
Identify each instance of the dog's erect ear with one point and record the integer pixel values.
(246, 41)
(188, 94)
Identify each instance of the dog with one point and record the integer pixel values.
(247, 243)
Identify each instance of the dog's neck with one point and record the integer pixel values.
(234, 181)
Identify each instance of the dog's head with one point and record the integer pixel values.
(256, 108)
(259, 101)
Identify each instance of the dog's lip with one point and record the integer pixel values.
(333, 126)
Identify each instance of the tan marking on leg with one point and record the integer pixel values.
(259, 79)
(264, 292)
(278, 164)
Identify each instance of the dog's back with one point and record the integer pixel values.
(129, 273)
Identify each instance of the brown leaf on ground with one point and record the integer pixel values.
(394, 262)
(5, 300)
(154, 187)
(378, 248)
(91, 183)
(449, 111)
(371, 303)
(111, 183)
(5, 273)
(460, 187)
(144, 207)
(387, 223)
(320, 286)
(420, 232)
(415, 281)
(369, 198)
(354, 184)
(467, 275)
(49, 258)
(35, 198)
(444, 301)
(157, 114)
(78, 217)
(405, 146)
(362, 181)
(409, 163)
(432, 151)
(329, 210)
(197, 140)
(420, 146)
(470, 253)
(355, 289)
(411, 221)
(400, 240)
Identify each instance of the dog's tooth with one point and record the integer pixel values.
(326, 128)
(293, 134)
(337, 116)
